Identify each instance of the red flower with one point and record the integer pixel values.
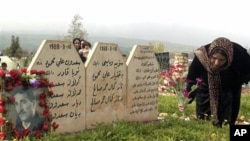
(18, 83)
(2, 109)
(42, 103)
(16, 133)
(184, 79)
(33, 71)
(1, 102)
(2, 73)
(26, 132)
(55, 125)
(23, 70)
(171, 83)
(51, 84)
(2, 135)
(42, 96)
(43, 83)
(2, 121)
(14, 74)
(163, 89)
(38, 134)
(46, 112)
(41, 72)
(45, 126)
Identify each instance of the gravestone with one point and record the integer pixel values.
(181, 58)
(105, 85)
(65, 69)
(142, 84)
(163, 59)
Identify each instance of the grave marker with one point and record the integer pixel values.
(142, 80)
(64, 67)
(105, 85)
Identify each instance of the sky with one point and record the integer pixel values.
(192, 22)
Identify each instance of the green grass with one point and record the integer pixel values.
(171, 128)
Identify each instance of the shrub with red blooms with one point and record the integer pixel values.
(35, 79)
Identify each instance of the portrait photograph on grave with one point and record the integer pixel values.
(24, 105)
(24, 110)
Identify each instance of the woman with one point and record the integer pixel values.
(86, 49)
(77, 45)
(223, 67)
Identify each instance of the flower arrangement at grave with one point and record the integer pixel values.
(34, 79)
(174, 81)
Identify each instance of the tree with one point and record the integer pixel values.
(76, 29)
(158, 46)
(14, 50)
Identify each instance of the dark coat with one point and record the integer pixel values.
(232, 79)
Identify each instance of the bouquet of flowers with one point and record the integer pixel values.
(174, 81)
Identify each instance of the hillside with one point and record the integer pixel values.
(31, 42)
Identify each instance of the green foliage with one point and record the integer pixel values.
(76, 29)
(14, 50)
(171, 128)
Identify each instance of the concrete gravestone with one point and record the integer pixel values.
(64, 67)
(142, 84)
(163, 60)
(105, 85)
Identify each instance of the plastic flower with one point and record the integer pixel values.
(34, 82)
(14, 74)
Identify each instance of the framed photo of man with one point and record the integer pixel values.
(24, 110)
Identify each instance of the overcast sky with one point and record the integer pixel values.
(193, 22)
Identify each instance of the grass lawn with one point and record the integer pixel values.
(170, 128)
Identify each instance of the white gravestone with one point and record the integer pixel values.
(142, 84)
(65, 69)
(105, 85)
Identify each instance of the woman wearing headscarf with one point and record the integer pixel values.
(77, 45)
(223, 67)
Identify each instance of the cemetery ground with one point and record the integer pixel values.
(170, 127)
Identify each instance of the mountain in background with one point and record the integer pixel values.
(31, 42)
